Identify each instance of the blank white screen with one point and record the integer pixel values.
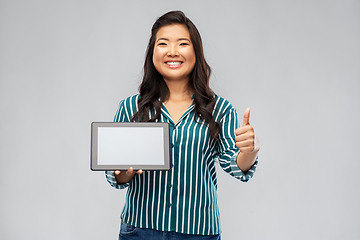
(130, 146)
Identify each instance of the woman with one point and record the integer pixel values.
(182, 203)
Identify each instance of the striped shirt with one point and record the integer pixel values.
(183, 199)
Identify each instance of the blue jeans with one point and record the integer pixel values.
(128, 232)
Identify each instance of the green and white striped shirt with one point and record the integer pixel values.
(183, 199)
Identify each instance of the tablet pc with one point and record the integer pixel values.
(118, 146)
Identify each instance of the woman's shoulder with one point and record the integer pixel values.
(130, 102)
(222, 109)
(127, 108)
(222, 104)
(132, 98)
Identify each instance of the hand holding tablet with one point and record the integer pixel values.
(130, 171)
(125, 176)
(122, 146)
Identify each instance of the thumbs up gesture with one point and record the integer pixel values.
(245, 135)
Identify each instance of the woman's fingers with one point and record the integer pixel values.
(129, 172)
(246, 117)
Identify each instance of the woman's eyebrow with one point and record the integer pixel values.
(162, 39)
(180, 39)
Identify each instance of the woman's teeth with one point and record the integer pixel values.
(173, 63)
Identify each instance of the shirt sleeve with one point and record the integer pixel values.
(227, 150)
(120, 116)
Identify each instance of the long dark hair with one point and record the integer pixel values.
(153, 86)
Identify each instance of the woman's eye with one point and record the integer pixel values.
(164, 44)
(184, 44)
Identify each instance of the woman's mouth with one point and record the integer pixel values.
(173, 64)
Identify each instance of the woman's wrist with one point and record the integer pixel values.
(245, 160)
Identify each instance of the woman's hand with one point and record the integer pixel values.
(247, 143)
(125, 177)
(245, 135)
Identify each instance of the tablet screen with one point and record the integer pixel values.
(118, 146)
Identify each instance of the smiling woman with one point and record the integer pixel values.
(174, 55)
(196, 89)
(182, 203)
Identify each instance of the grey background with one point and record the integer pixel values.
(296, 64)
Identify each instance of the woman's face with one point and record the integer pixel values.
(174, 55)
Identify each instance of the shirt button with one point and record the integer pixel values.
(170, 185)
(172, 145)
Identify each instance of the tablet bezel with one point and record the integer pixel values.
(94, 146)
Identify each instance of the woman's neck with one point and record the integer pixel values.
(179, 90)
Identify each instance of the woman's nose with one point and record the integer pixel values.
(173, 51)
